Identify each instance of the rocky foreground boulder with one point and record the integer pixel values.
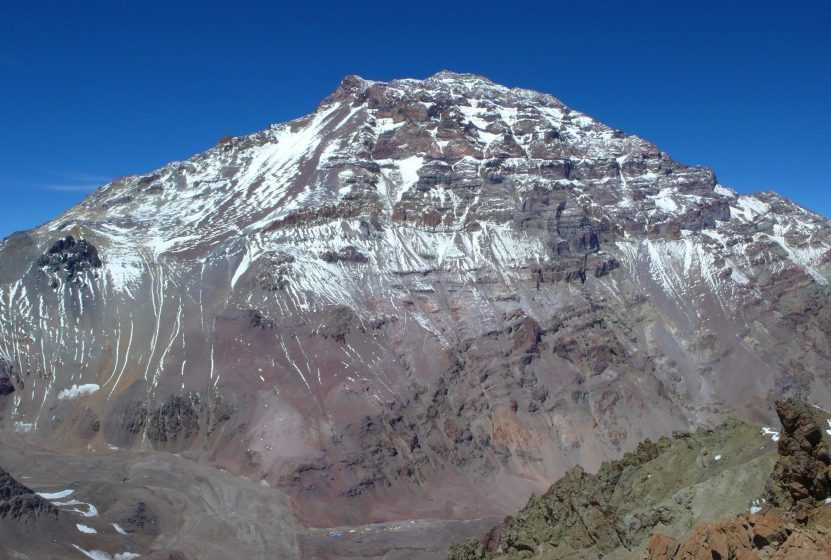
(671, 483)
(19, 503)
(796, 524)
(631, 507)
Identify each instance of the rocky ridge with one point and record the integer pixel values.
(793, 524)
(629, 507)
(19, 503)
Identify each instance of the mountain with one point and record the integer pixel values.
(425, 300)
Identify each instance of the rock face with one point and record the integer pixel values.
(427, 298)
(795, 525)
(802, 476)
(669, 484)
(70, 258)
(612, 514)
(19, 503)
(750, 537)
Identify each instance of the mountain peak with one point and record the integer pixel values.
(421, 291)
(459, 76)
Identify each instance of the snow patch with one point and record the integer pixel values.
(101, 555)
(408, 168)
(724, 191)
(774, 435)
(86, 529)
(55, 495)
(756, 506)
(748, 208)
(78, 391)
(666, 203)
(89, 511)
(23, 427)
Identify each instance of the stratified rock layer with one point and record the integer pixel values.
(425, 299)
(20, 504)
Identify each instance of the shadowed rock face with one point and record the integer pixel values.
(6, 383)
(20, 504)
(70, 258)
(802, 476)
(427, 298)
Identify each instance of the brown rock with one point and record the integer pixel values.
(804, 546)
(662, 547)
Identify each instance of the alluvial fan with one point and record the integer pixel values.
(426, 299)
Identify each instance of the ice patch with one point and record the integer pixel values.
(101, 555)
(86, 529)
(78, 391)
(55, 495)
(89, 511)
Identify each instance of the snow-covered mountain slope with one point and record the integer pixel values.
(426, 298)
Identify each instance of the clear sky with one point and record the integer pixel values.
(94, 90)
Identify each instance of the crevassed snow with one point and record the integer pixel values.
(78, 391)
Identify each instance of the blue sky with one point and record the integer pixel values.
(94, 90)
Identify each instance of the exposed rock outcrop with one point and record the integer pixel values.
(613, 512)
(802, 476)
(749, 537)
(19, 503)
(70, 258)
(6, 384)
(795, 524)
